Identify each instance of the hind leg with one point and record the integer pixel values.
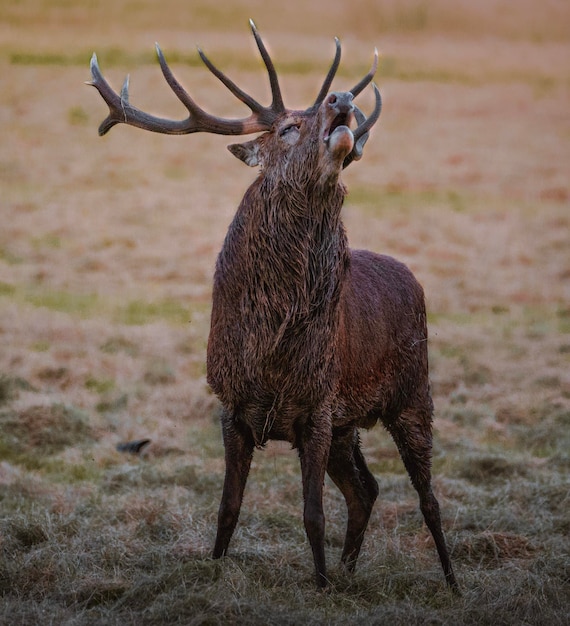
(347, 468)
(412, 434)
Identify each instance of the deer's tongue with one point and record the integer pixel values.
(340, 142)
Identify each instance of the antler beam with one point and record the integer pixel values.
(121, 111)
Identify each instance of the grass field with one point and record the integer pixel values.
(107, 249)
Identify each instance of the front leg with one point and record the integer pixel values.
(238, 443)
(314, 444)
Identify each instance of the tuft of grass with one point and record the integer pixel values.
(118, 344)
(112, 402)
(28, 533)
(550, 432)
(54, 374)
(42, 430)
(10, 387)
(490, 548)
(489, 468)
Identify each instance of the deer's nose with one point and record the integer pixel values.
(341, 102)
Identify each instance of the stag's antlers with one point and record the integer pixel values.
(261, 118)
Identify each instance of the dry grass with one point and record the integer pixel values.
(107, 248)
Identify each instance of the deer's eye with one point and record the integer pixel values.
(290, 133)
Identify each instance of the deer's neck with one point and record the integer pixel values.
(292, 245)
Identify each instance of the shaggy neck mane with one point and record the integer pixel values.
(294, 239)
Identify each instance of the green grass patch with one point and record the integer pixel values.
(89, 305)
(110, 57)
(6, 289)
(58, 471)
(10, 258)
(77, 116)
(391, 68)
(139, 312)
(99, 385)
(404, 201)
(80, 304)
(51, 241)
(114, 57)
(40, 346)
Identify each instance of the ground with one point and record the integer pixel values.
(107, 248)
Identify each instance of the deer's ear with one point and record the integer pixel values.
(247, 152)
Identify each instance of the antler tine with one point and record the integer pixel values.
(107, 93)
(366, 80)
(238, 93)
(365, 126)
(330, 76)
(361, 131)
(176, 87)
(277, 103)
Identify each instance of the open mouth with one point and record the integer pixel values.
(342, 119)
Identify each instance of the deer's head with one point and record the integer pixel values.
(319, 135)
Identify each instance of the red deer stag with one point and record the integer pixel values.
(309, 340)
